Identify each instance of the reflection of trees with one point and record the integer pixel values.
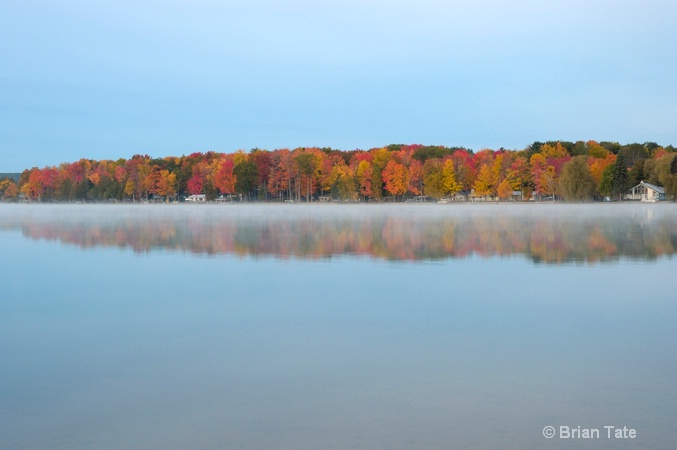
(395, 238)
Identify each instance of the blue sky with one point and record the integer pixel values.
(110, 79)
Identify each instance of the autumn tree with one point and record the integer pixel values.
(264, 164)
(663, 172)
(539, 172)
(484, 157)
(504, 190)
(433, 180)
(577, 183)
(381, 158)
(38, 184)
(342, 182)
(465, 169)
(597, 151)
(485, 182)
(500, 168)
(306, 163)
(548, 179)
(130, 188)
(415, 180)
(195, 185)
(395, 178)
(8, 189)
(449, 184)
(151, 181)
(200, 180)
(519, 176)
(282, 174)
(136, 169)
(364, 178)
(554, 150)
(325, 170)
(224, 177)
(599, 163)
(166, 184)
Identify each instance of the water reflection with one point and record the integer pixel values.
(543, 233)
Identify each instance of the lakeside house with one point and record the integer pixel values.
(197, 198)
(645, 192)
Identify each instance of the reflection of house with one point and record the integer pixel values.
(229, 198)
(475, 197)
(418, 199)
(645, 192)
(197, 198)
(459, 197)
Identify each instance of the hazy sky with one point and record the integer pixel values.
(83, 78)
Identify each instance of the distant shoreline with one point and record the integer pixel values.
(342, 204)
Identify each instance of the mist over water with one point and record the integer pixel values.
(336, 326)
(543, 233)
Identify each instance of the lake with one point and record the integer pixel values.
(337, 326)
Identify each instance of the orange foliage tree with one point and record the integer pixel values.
(395, 178)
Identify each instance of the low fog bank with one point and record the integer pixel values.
(10, 213)
(553, 233)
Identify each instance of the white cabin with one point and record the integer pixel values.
(197, 198)
(645, 192)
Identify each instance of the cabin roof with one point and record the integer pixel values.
(653, 187)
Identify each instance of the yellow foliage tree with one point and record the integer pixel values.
(597, 151)
(130, 187)
(433, 182)
(554, 151)
(364, 176)
(166, 184)
(449, 184)
(505, 190)
(484, 183)
(239, 157)
(8, 189)
(343, 181)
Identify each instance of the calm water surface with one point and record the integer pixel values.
(336, 327)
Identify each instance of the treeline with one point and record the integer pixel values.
(573, 171)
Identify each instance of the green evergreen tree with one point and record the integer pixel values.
(637, 172)
(619, 177)
(671, 181)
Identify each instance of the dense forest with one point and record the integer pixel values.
(572, 171)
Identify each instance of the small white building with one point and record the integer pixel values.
(197, 198)
(645, 192)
